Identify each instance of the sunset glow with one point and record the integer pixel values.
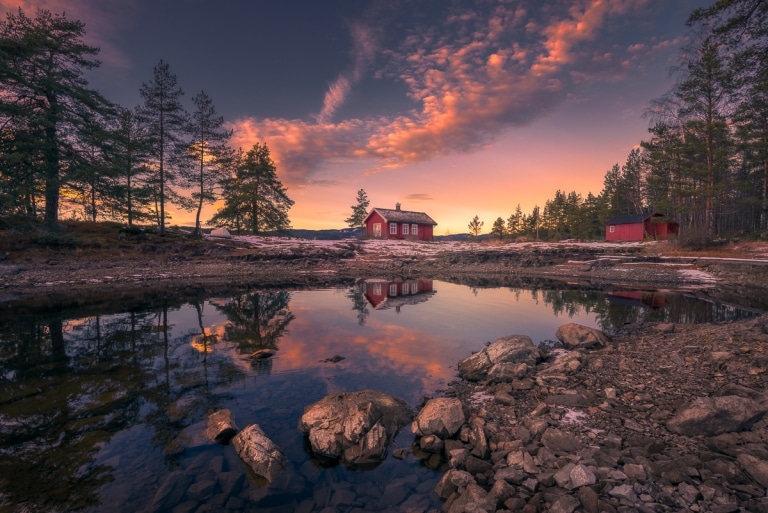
(455, 109)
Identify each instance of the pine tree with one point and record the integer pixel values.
(359, 211)
(210, 152)
(254, 197)
(498, 228)
(165, 122)
(45, 98)
(475, 227)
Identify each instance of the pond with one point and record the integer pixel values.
(101, 410)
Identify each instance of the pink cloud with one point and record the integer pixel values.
(470, 79)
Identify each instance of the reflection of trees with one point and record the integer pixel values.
(69, 385)
(258, 319)
(359, 303)
(66, 388)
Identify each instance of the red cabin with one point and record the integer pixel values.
(385, 223)
(639, 227)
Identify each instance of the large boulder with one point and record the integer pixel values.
(442, 417)
(259, 453)
(507, 358)
(576, 336)
(710, 416)
(354, 427)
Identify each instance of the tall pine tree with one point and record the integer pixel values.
(166, 124)
(209, 149)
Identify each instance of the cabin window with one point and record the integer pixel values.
(377, 289)
(393, 290)
(414, 287)
(406, 288)
(414, 229)
(405, 229)
(377, 229)
(611, 229)
(393, 228)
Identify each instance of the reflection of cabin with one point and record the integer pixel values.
(399, 224)
(383, 294)
(638, 227)
(644, 298)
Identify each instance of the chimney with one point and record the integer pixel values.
(397, 206)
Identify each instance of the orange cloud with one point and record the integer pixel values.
(470, 78)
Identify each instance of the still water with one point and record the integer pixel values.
(102, 411)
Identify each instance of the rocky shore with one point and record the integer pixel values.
(653, 418)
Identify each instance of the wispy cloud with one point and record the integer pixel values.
(474, 74)
(365, 46)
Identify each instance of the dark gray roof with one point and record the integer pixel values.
(403, 216)
(632, 218)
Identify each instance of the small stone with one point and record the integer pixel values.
(582, 476)
(624, 491)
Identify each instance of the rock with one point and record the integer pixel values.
(755, 467)
(259, 453)
(565, 504)
(431, 443)
(222, 233)
(262, 354)
(505, 360)
(442, 416)
(451, 481)
(576, 336)
(710, 416)
(559, 441)
(221, 426)
(473, 498)
(665, 327)
(624, 491)
(354, 427)
(582, 476)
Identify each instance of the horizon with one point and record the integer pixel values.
(456, 110)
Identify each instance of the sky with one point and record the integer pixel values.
(455, 108)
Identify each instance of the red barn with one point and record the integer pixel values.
(399, 224)
(638, 227)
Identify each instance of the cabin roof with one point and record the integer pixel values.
(632, 218)
(402, 216)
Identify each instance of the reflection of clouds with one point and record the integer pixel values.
(471, 75)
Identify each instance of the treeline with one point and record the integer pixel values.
(65, 148)
(705, 164)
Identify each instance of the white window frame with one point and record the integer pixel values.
(415, 287)
(377, 229)
(405, 228)
(377, 289)
(393, 228)
(415, 229)
(392, 289)
(612, 229)
(406, 288)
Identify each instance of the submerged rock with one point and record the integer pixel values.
(354, 427)
(221, 426)
(506, 359)
(259, 453)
